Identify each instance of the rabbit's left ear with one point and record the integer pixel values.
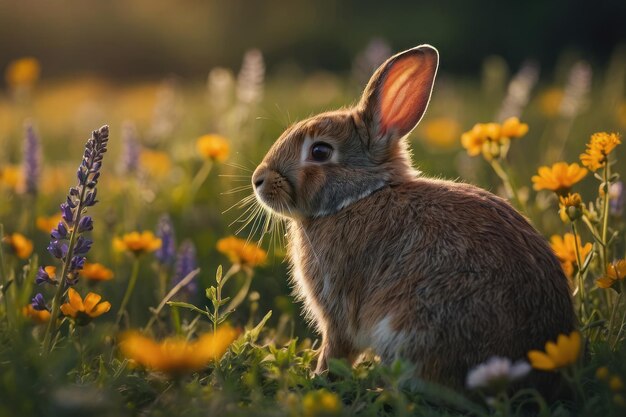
(398, 93)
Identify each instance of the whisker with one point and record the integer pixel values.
(241, 203)
(246, 214)
(239, 166)
(237, 189)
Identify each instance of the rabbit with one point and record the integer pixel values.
(442, 274)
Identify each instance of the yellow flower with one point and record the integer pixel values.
(96, 272)
(23, 72)
(46, 224)
(513, 128)
(20, 245)
(321, 402)
(616, 383)
(558, 178)
(550, 102)
(176, 355)
(38, 316)
(472, 142)
(213, 147)
(602, 372)
(240, 252)
(441, 132)
(615, 271)
(565, 249)
(137, 243)
(570, 207)
(83, 311)
(156, 164)
(11, 177)
(599, 147)
(557, 355)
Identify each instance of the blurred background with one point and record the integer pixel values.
(164, 73)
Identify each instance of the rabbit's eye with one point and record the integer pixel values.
(321, 151)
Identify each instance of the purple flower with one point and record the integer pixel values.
(57, 248)
(32, 160)
(85, 224)
(68, 214)
(82, 246)
(42, 277)
(131, 148)
(165, 231)
(60, 232)
(616, 195)
(185, 263)
(38, 302)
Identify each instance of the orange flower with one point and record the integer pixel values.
(46, 224)
(570, 207)
(513, 128)
(23, 72)
(441, 132)
(213, 147)
(565, 249)
(492, 139)
(137, 243)
(156, 164)
(557, 355)
(558, 178)
(38, 316)
(83, 311)
(599, 147)
(20, 245)
(176, 355)
(240, 252)
(96, 272)
(550, 102)
(615, 271)
(11, 177)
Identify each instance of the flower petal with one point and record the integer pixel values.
(68, 310)
(540, 360)
(75, 300)
(90, 301)
(100, 309)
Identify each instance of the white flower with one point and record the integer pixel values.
(496, 372)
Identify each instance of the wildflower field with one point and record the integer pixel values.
(140, 277)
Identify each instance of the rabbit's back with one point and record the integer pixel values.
(443, 273)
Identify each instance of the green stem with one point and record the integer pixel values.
(129, 290)
(56, 301)
(508, 184)
(200, 177)
(605, 217)
(581, 283)
(613, 312)
(3, 276)
(241, 295)
(232, 271)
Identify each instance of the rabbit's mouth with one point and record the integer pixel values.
(274, 192)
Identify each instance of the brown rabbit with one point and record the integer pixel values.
(441, 273)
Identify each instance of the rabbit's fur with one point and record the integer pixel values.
(442, 273)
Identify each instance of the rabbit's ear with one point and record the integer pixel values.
(397, 95)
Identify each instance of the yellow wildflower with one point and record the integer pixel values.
(565, 249)
(616, 383)
(570, 207)
(557, 355)
(21, 246)
(602, 373)
(137, 243)
(320, 402)
(23, 72)
(558, 178)
(615, 271)
(599, 147)
(550, 102)
(213, 147)
(176, 355)
(11, 177)
(513, 128)
(46, 224)
(156, 164)
(38, 316)
(241, 252)
(96, 272)
(83, 311)
(441, 132)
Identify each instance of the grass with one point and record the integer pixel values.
(267, 369)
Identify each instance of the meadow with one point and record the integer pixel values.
(138, 278)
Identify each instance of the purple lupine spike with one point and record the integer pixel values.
(185, 263)
(60, 232)
(67, 214)
(31, 167)
(165, 231)
(85, 224)
(42, 277)
(131, 148)
(57, 248)
(616, 202)
(77, 263)
(38, 302)
(82, 246)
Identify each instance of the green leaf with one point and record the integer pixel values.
(218, 275)
(187, 306)
(253, 334)
(340, 368)
(211, 293)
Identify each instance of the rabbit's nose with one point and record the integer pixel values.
(259, 177)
